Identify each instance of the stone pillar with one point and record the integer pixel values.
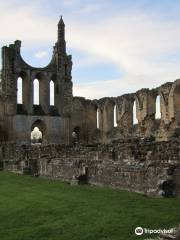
(100, 110)
(27, 92)
(28, 95)
(108, 116)
(44, 94)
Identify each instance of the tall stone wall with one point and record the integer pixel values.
(152, 168)
(92, 120)
(166, 126)
(17, 117)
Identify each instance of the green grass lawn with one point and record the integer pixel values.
(40, 209)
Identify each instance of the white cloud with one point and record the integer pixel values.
(136, 42)
(114, 87)
(89, 60)
(25, 24)
(87, 8)
(41, 54)
(133, 43)
(70, 2)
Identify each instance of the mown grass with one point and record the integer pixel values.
(40, 209)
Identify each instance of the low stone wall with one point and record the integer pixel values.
(148, 167)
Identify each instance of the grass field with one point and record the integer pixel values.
(40, 209)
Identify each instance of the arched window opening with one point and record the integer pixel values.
(158, 109)
(36, 92)
(51, 93)
(19, 91)
(115, 116)
(36, 136)
(97, 117)
(76, 135)
(135, 121)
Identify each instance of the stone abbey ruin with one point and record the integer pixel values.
(79, 141)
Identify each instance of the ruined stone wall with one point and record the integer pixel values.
(152, 168)
(84, 117)
(69, 114)
(55, 128)
(162, 128)
(17, 118)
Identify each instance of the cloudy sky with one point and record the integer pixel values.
(117, 46)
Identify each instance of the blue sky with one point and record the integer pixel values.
(116, 46)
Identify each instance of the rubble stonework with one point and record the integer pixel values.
(103, 153)
(136, 165)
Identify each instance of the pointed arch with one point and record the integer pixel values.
(115, 115)
(158, 108)
(19, 90)
(51, 93)
(36, 135)
(76, 130)
(135, 120)
(36, 92)
(38, 131)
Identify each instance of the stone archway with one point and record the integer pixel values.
(77, 131)
(40, 130)
(76, 134)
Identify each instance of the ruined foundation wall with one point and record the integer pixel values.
(152, 168)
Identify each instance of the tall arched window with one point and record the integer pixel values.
(135, 121)
(115, 115)
(51, 93)
(36, 92)
(158, 110)
(97, 117)
(19, 91)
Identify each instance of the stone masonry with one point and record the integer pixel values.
(136, 165)
(71, 113)
(80, 142)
